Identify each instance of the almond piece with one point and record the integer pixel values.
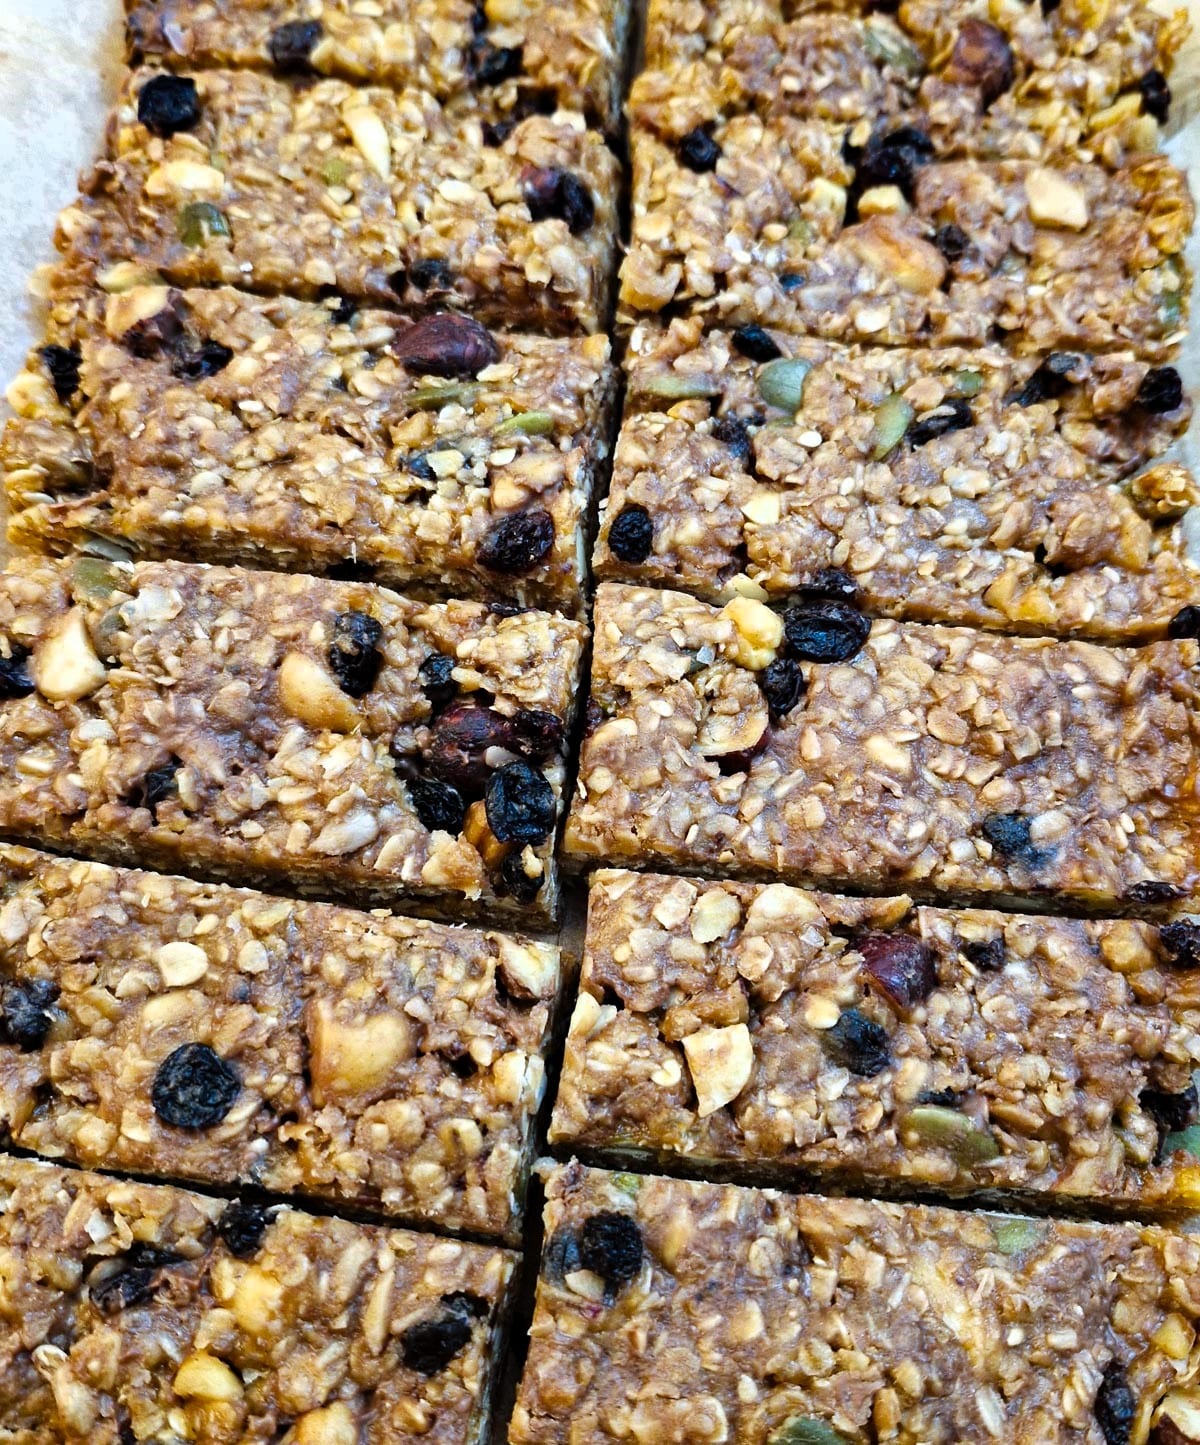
(65, 665)
(353, 1058)
(720, 1062)
(370, 137)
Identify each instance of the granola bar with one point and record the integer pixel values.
(787, 1036)
(767, 222)
(285, 730)
(954, 485)
(364, 1058)
(139, 1312)
(313, 436)
(817, 746)
(509, 53)
(237, 177)
(704, 1313)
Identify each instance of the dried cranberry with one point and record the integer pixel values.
(988, 956)
(431, 275)
(953, 415)
(198, 362)
(25, 1012)
(516, 883)
(438, 805)
(462, 737)
(154, 787)
(537, 734)
(732, 431)
(437, 680)
(168, 104)
(429, 1345)
(354, 653)
(858, 1043)
(610, 1245)
(782, 685)
(242, 1226)
(1161, 391)
(899, 966)
(291, 45)
(1156, 95)
(1181, 943)
(446, 344)
(1185, 623)
(131, 1278)
(1171, 1112)
(698, 151)
(828, 584)
(1050, 380)
(520, 804)
(1115, 1406)
(756, 344)
(825, 630)
(553, 194)
(1010, 835)
(518, 542)
(62, 362)
(491, 64)
(194, 1087)
(631, 536)
(983, 59)
(14, 675)
(952, 241)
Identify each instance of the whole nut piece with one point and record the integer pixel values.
(720, 1062)
(982, 58)
(355, 1058)
(446, 345)
(65, 665)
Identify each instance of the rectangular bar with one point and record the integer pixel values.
(371, 1060)
(768, 1034)
(323, 736)
(139, 1312)
(313, 439)
(702, 1312)
(884, 756)
(378, 195)
(509, 56)
(945, 485)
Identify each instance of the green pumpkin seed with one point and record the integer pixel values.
(93, 579)
(781, 383)
(885, 41)
(199, 222)
(335, 171)
(528, 423)
(804, 1430)
(948, 1129)
(433, 398)
(1014, 1235)
(893, 417)
(965, 383)
(1186, 1139)
(679, 386)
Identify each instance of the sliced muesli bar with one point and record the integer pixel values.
(287, 730)
(142, 1312)
(785, 1036)
(225, 427)
(954, 485)
(815, 746)
(356, 1057)
(242, 178)
(669, 1310)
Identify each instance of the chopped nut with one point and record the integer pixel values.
(181, 963)
(370, 137)
(204, 1377)
(896, 253)
(757, 632)
(189, 176)
(883, 201)
(720, 1062)
(1054, 200)
(354, 1058)
(333, 1425)
(311, 693)
(65, 665)
(125, 310)
(529, 970)
(716, 913)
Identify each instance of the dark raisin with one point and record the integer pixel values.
(593, 716)
(432, 275)
(732, 431)
(131, 1278)
(1171, 1112)
(242, 1226)
(1150, 890)
(520, 804)
(446, 344)
(790, 281)
(14, 675)
(25, 1012)
(194, 1087)
(631, 536)
(354, 654)
(1050, 380)
(495, 133)
(756, 344)
(698, 151)
(953, 415)
(1115, 1406)
(943, 1098)
(1050, 6)
(168, 104)
(1161, 391)
(154, 787)
(62, 362)
(198, 362)
(828, 584)
(153, 335)
(983, 59)
(418, 464)
(516, 882)
(560, 1257)
(553, 194)
(437, 680)
(467, 1304)
(1009, 834)
(491, 64)
(1156, 95)
(292, 44)
(825, 630)
(1185, 623)
(438, 805)
(610, 1245)
(858, 1043)
(988, 956)
(899, 966)
(1181, 943)
(782, 685)
(892, 159)
(537, 734)
(952, 241)
(429, 1345)
(462, 738)
(518, 542)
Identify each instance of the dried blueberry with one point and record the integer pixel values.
(953, 415)
(167, 104)
(983, 59)
(493, 63)
(560, 1257)
(131, 1278)
(828, 584)
(698, 151)
(782, 685)
(437, 804)
(1010, 835)
(755, 343)
(1185, 623)
(354, 654)
(732, 431)
(197, 362)
(790, 281)
(1156, 95)
(858, 1043)
(520, 804)
(892, 159)
(437, 680)
(14, 676)
(62, 362)
(988, 956)
(899, 966)
(418, 464)
(952, 241)
(631, 536)
(518, 542)
(943, 1098)
(429, 1345)
(516, 883)
(1161, 390)
(1050, 380)
(495, 133)
(291, 45)
(162, 332)
(431, 275)
(1115, 1406)
(610, 1245)
(242, 1226)
(345, 310)
(463, 735)
(1181, 943)
(25, 1012)
(154, 787)
(1171, 1112)
(537, 734)
(194, 1087)
(825, 630)
(554, 194)
(446, 344)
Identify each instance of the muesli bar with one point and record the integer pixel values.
(510, 55)
(226, 427)
(777, 222)
(784, 1036)
(319, 736)
(241, 178)
(819, 748)
(669, 1310)
(140, 1312)
(361, 1058)
(949, 485)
